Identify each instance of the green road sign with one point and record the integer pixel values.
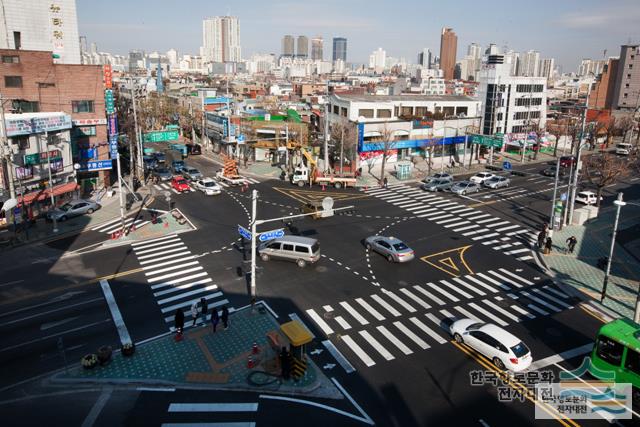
(488, 140)
(161, 136)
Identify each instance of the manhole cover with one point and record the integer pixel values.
(554, 332)
(321, 269)
(328, 315)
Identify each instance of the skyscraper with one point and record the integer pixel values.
(316, 48)
(424, 58)
(475, 51)
(288, 46)
(448, 51)
(303, 47)
(221, 39)
(546, 68)
(340, 49)
(530, 64)
(377, 60)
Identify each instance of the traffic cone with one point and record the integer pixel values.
(323, 187)
(255, 349)
(250, 363)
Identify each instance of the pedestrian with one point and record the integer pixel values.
(571, 243)
(385, 182)
(541, 238)
(203, 310)
(194, 312)
(548, 245)
(179, 321)
(225, 317)
(215, 319)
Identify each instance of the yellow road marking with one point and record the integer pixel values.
(447, 264)
(592, 314)
(517, 386)
(306, 196)
(70, 286)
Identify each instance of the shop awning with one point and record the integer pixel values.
(43, 194)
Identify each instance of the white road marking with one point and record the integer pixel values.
(178, 280)
(175, 239)
(400, 301)
(469, 227)
(560, 357)
(150, 272)
(182, 287)
(523, 311)
(188, 294)
(343, 323)
(354, 313)
(515, 276)
(115, 312)
(491, 280)
(172, 245)
(484, 285)
(485, 236)
(358, 350)
(496, 319)
(552, 298)
(171, 251)
(429, 294)
(376, 345)
(424, 328)
(385, 305)
(555, 291)
(437, 321)
(167, 276)
(189, 303)
(327, 308)
(145, 242)
(506, 279)
(319, 321)
(467, 313)
(501, 310)
(413, 337)
(443, 292)
(415, 298)
(370, 309)
(395, 341)
(542, 302)
(468, 286)
(539, 310)
(456, 289)
(348, 367)
(213, 407)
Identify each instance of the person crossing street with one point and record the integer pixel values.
(571, 243)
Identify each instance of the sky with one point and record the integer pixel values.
(567, 30)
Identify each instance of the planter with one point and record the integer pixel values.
(104, 354)
(89, 361)
(128, 349)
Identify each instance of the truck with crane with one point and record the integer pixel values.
(309, 174)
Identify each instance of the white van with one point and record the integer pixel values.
(624, 148)
(301, 250)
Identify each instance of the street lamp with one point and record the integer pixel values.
(619, 204)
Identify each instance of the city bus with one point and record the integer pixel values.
(617, 349)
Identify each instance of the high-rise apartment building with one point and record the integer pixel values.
(288, 46)
(377, 60)
(303, 47)
(590, 67)
(221, 39)
(492, 49)
(547, 66)
(41, 25)
(626, 94)
(530, 64)
(316, 48)
(424, 58)
(340, 49)
(475, 51)
(448, 52)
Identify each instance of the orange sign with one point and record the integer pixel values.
(108, 83)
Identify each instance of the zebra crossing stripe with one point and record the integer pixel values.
(173, 255)
(173, 261)
(471, 233)
(395, 341)
(343, 323)
(467, 314)
(515, 276)
(458, 290)
(384, 304)
(525, 258)
(146, 242)
(400, 301)
(413, 337)
(463, 283)
(182, 287)
(491, 218)
(443, 292)
(424, 328)
(446, 221)
(541, 302)
(428, 294)
(105, 224)
(370, 309)
(484, 285)
(552, 298)
(424, 211)
(513, 233)
(555, 291)
(485, 236)
(498, 320)
(468, 227)
(190, 302)
(417, 208)
(170, 268)
(376, 345)
(506, 279)
(358, 350)
(448, 315)
(517, 251)
(491, 280)
(471, 212)
(523, 311)
(187, 294)
(498, 223)
(320, 322)
(167, 276)
(179, 280)
(435, 218)
(415, 298)
(539, 310)
(327, 308)
(437, 321)
(213, 407)
(501, 310)
(406, 205)
(354, 313)
(463, 209)
(170, 245)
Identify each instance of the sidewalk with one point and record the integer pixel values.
(207, 360)
(580, 270)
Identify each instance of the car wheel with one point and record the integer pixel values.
(390, 258)
(89, 211)
(498, 363)
(338, 185)
(458, 338)
(462, 193)
(264, 257)
(301, 263)
(63, 218)
(300, 183)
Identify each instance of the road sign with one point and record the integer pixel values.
(506, 165)
(240, 139)
(98, 165)
(273, 234)
(160, 136)
(244, 232)
(327, 203)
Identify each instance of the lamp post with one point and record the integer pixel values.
(574, 181)
(619, 204)
(53, 199)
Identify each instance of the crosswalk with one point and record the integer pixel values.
(492, 231)
(116, 224)
(176, 277)
(163, 186)
(187, 414)
(390, 324)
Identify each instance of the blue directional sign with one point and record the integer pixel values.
(98, 165)
(506, 166)
(244, 232)
(240, 139)
(113, 146)
(273, 234)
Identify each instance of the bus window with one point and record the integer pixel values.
(609, 350)
(632, 362)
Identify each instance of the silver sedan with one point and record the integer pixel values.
(497, 182)
(73, 208)
(395, 250)
(464, 187)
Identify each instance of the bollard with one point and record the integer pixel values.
(250, 363)
(178, 336)
(323, 187)
(255, 349)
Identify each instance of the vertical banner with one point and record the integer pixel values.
(108, 76)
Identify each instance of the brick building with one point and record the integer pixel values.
(601, 96)
(30, 82)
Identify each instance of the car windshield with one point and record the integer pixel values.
(181, 181)
(520, 349)
(495, 178)
(66, 207)
(400, 246)
(475, 326)
(163, 170)
(209, 184)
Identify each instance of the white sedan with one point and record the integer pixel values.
(481, 177)
(502, 348)
(208, 186)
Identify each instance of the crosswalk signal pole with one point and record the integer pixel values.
(254, 209)
(553, 201)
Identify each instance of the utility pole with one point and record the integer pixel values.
(53, 200)
(342, 150)
(6, 151)
(254, 213)
(553, 201)
(619, 204)
(326, 131)
(578, 158)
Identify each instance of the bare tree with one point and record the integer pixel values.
(387, 137)
(623, 125)
(606, 169)
(345, 133)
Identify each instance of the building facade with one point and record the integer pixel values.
(40, 25)
(221, 39)
(302, 50)
(340, 49)
(448, 52)
(626, 93)
(317, 45)
(424, 58)
(601, 96)
(288, 46)
(530, 64)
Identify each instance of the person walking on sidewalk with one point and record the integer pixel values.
(385, 182)
(203, 310)
(179, 321)
(571, 243)
(194, 312)
(225, 317)
(215, 319)
(541, 238)
(548, 245)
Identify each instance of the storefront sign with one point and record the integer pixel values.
(108, 82)
(423, 124)
(81, 131)
(113, 125)
(39, 158)
(24, 173)
(108, 100)
(40, 124)
(89, 153)
(57, 33)
(113, 146)
(56, 165)
(89, 122)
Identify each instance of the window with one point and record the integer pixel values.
(421, 111)
(383, 244)
(44, 85)
(383, 113)
(302, 249)
(287, 247)
(366, 113)
(343, 111)
(625, 95)
(406, 111)
(17, 40)
(12, 81)
(21, 141)
(82, 106)
(315, 248)
(630, 66)
(609, 350)
(632, 361)
(336, 110)
(525, 102)
(10, 59)
(499, 117)
(396, 111)
(26, 106)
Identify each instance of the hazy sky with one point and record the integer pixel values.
(566, 30)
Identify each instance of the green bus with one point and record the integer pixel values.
(617, 350)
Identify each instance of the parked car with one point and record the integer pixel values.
(301, 250)
(162, 173)
(180, 184)
(395, 250)
(437, 185)
(194, 149)
(481, 177)
(464, 187)
(73, 208)
(505, 350)
(191, 173)
(567, 161)
(208, 186)
(497, 182)
(587, 197)
(552, 172)
(438, 176)
(160, 157)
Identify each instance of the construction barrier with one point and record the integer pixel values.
(298, 367)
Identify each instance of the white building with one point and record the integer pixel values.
(377, 60)
(547, 68)
(424, 58)
(221, 39)
(510, 104)
(591, 67)
(41, 25)
(530, 64)
(172, 56)
(261, 63)
(513, 59)
(474, 51)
